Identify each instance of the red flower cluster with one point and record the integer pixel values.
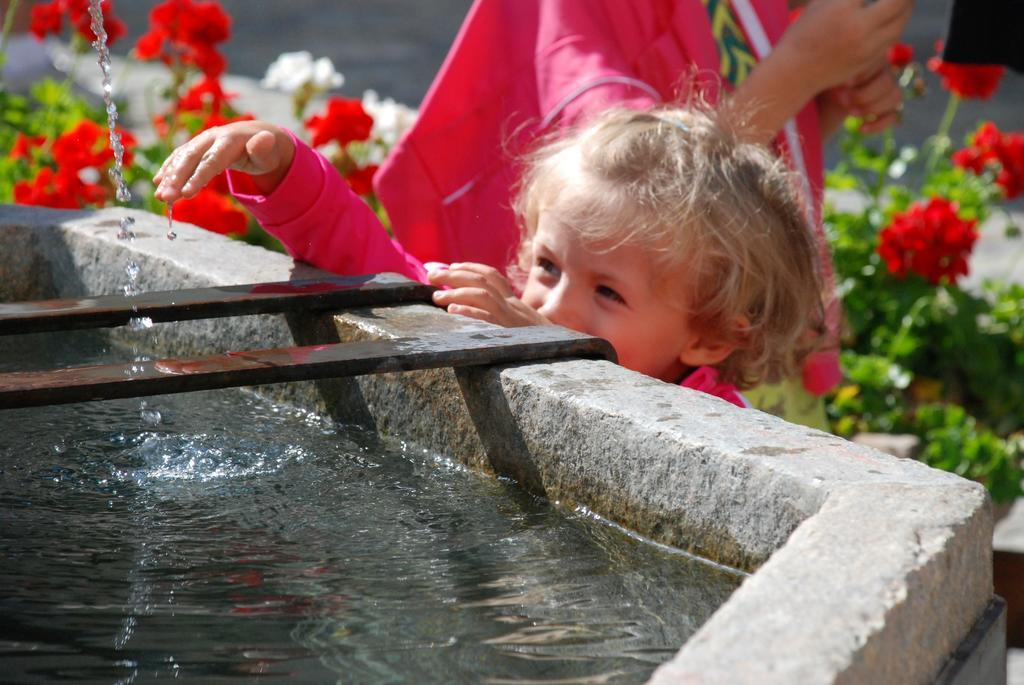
(208, 101)
(212, 211)
(81, 157)
(900, 55)
(183, 32)
(969, 81)
(1004, 152)
(48, 17)
(344, 121)
(361, 180)
(23, 146)
(929, 240)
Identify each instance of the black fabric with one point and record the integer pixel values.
(986, 32)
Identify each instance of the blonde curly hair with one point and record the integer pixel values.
(728, 237)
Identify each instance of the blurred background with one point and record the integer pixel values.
(396, 46)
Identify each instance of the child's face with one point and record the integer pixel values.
(609, 294)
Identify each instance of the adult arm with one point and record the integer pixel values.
(834, 43)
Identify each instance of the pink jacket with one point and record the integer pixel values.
(318, 218)
(521, 68)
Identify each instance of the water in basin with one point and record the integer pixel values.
(237, 539)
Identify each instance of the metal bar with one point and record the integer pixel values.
(200, 303)
(258, 367)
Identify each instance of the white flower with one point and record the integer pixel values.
(292, 71)
(390, 119)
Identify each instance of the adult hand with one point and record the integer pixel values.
(833, 41)
(481, 292)
(875, 97)
(253, 147)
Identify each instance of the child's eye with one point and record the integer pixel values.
(609, 294)
(547, 266)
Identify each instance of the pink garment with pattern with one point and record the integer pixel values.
(523, 68)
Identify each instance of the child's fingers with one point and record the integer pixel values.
(179, 170)
(159, 175)
(481, 298)
(472, 275)
(489, 275)
(472, 312)
(215, 159)
(475, 303)
(249, 146)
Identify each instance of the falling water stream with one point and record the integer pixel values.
(122, 193)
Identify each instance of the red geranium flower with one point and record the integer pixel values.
(978, 81)
(23, 145)
(81, 156)
(63, 189)
(207, 95)
(46, 190)
(344, 121)
(212, 211)
(206, 99)
(47, 18)
(900, 55)
(185, 32)
(1011, 156)
(1003, 152)
(87, 145)
(929, 240)
(220, 120)
(361, 180)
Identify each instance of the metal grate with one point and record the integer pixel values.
(258, 367)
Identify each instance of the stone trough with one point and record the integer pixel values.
(865, 568)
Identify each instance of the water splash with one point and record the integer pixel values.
(150, 416)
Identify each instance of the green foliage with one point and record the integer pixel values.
(934, 360)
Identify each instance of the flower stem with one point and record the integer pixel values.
(888, 150)
(12, 8)
(940, 142)
(908, 321)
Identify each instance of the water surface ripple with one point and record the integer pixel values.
(239, 540)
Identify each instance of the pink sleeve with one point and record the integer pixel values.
(321, 221)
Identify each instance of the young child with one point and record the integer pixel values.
(659, 231)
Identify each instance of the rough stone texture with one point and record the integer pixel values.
(54, 253)
(900, 445)
(876, 588)
(868, 568)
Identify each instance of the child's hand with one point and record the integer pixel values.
(253, 147)
(481, 292)
(835, 40)
(876, 98)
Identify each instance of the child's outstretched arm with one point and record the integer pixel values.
(833, 43)
(262, 150)
(481, 292)
(300, 197)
